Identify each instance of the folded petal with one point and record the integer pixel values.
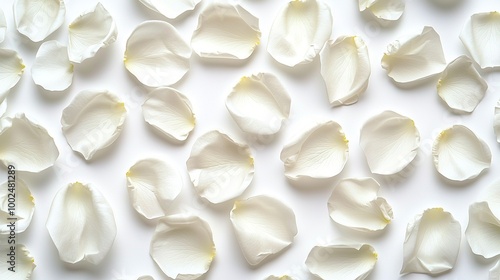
(383, 9)
(345, 68)
(11, 70)
(171, 8)
(3, 26)
(169, 111)
(483, 230)
(481, 37)
(299, 31)
(81, 224)
(390, 142)
(226, 31)
(495, 272)
(182, 246)
(52, 69)
(432, 243)
(220, 168)
(259, 104)
(24, 207)
(24, 262)
(37, 19)
(156, 54)
(264, 226)
(496, 121)
(459, 154)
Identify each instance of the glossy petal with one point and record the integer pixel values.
(383, 9)
(483, 230)
(23, 210)
(24, 263)
(3, 26)
(52, 69)
(481, 37)
(170, 8)
(37, 19)
(496, 121)
(495, 272)
(11, 70)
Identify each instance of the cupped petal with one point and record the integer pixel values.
(496, 121)
(415, 59)
(169, 111)
(345, 68)
(390, 142)
(91, 31)
(483, 230)
(17, 191)
(3, 26)
(171, 8)
(494, 273)
(156, 54)
(299, 31)
(459, 154)
(355, 203)
(22, 266)
(481, 37)
(52, 69)
(182, 246)
(11, 70)
(220, 168)
(461, 86)
(81, 224)
(37, 19)
(226, 31)
(264, 226)
(259, 104)
(390, 10)
(432, 243)
(152, 186)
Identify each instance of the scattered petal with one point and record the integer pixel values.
(24, 206)
(492, 196)
(481, 37)
(284, 277)
(496, 122)
(483, 230)
(495, 272)
(3, 26)
(264, 226)
(11, 70)
(383, 9)
(24, 263)
(52, 69)
(38, 19)
(171, 8)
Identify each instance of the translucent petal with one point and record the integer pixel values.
(390, 142)
(496, 121)
(383, 9)
(226, 31)
(299, 31)
(459, 154)
(3, 26)
(52, 69)
(24, 262)
(220, 168)
(37, 19)
(156, 54)
(23, 210)
(93, 121)
(81, 224)
(259, 104)
(264, 226)
(483, 230)
(481, 37)
(495, 272)
(182, 246)
(11, 70)
(170, 8)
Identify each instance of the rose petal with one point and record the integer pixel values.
(52, 69)
(496, 121)
(24, 206)
(383, 9)
(24, 263)
(11, 70)
(483, 230)
(38, 19)
(170, 8)
(3, 26)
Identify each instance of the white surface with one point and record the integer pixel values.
(207, 85)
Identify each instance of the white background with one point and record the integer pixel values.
(207, 84)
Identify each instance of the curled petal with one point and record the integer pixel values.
(459, 154)
(220, 168)
(481, 37)
(299, 31)
(495, 272)
(11, 70)
(93, 121)
(496, 121)
(264, 226)
(24, 208)
(52, 69)
(81, 224)
(3, 26)
(259, 104)
(171, 8)
(383, 9)
(483, 230)
(24, 262)
(38, 19)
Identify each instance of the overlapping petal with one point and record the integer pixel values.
(52, 69)
(37, 19)
(3, 26)
(23, 208)
(481, 37)
(483, 230)
(170, 8)
(23, 262)
(496, 121)
(11, 70)
(383, 9)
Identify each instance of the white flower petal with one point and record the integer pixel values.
(3, 107)
(481, 37)
(459, 154)
(342, 261)
(24, 206)
(152, 186)
(220, 168)
(89, 32)
(299, 31)
(93, 121)
(492, 196)
(483, 230)
(156, 54)
(182, 246)
(145, 277)
(3, 26)
(169, 111)
(495, 272)
(284, 277)
(52, 69)
(226, 31)
(390, 142)
(259, 104)
(81, 224)
(496, 121)
(37, 19)
(383, 9)
(432, 243)
(170, 8)
(264, 226)
(23, 262)
(417, 58)
(355, 203)
(461, 86)
(11, 70)
(26, 145)
(345, 68)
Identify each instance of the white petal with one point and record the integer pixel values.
(299, 31)
(171, 8)
(390, 142)
(169, 111)
(264, 226)
(345, 68)
(342, 261)
(152, 186)
(3, 26)
(23, 209)
(492, 196)
(383, 9)
(182, 246)
(52, 69)
(432, 243)
(156, 54)
(23, 262)
(461, 86)
(226, 31)
(220, 168)
(495, 272)
(459, 154)
(355, 203)
(483, 230)
(496, 121)
(481, 37)
(89, 32)
(3, 107)
(11, 70)
(37, 19)
(81, 224)
(415, 59)
(145, 277)
(26, 145)
(259, 104)
(284, 277)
